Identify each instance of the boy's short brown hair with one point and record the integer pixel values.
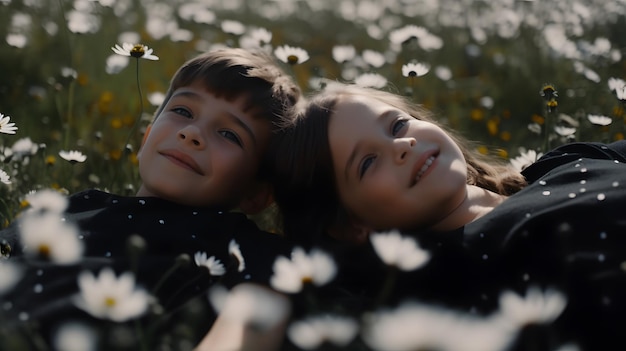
(232, 72)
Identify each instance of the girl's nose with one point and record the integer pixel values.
(191, 135)
(402, 147)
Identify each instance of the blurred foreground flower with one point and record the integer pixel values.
(111, 297)
(48, 236)
(399, 251)
(136, 50)
(11, 273)
(250, 304)
(312, 332)
(5, 126)
(536, 307)
(214, 265)
(415, 326)
(371, 80)
(74, 336)
(4, 177)
(291, 55)
(235, 251)
(73, 156)
(290, 275)
(47, 200)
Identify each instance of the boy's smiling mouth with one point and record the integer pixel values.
(182, 160)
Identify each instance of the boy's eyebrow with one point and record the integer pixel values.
(234, 118)
(380, 119)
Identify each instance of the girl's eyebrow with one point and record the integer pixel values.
(380, 119)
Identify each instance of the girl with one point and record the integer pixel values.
(359, 160)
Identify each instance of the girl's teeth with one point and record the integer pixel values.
(427, 164)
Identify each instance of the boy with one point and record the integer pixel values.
(202, 156)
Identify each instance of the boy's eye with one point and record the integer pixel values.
(365, 165)
(182, 111)
(397, 126)
(231, 136)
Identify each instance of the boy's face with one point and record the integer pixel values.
(202, 151)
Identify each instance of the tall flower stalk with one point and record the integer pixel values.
(137, 51)
(549, 94)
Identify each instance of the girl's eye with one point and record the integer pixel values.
(182, 111)
(397, 126)
(231, 136)
(365, 165)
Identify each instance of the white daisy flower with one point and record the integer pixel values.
(111, 297)
(48, 236)
(536, 308)
(599, 120)
(621, 93)
(291, 55)
(371, 80)
(5, 125)
(73, 156)
(564, 131)
(290, 275)
(400, 251)
(136, 50)
(405, 33)
(47, 200)
(233, 27)
(250, 304)
(343, 53)
(616, 83)
(214, 265)
(4, 177)
(525, 159)
(11, 274)
(415, 69)
(373, 58)
(75, 336)
(23, 147)
(312, 332)
(233, 249)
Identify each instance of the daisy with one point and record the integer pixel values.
(343, 53)
(416, 69)
(111, 297)
(399, 251)
(616, 83)
(621, 93)
(312, 332)
(49, 237)
(4, 177)
(291, 55)
(525, 159)
(214, 265)
(564, 131)
(290, 275)
(73, 156)
(250, 304)
(373, 58)
(233, 249)
(371, 80)
(136, 50)
(47, 200)
(24, 147)
(233, 27)
(75, 336)
(11, 274)
(5, 126)
(536, 308)
(599, 120)
(403, 34)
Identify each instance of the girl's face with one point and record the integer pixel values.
(392, 170)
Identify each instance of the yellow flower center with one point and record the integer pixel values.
(292, 59)
(307, 280)
(137, 51)
(44, 250)
(109, 301)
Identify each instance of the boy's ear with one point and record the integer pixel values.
(258, 200)
(351, 231)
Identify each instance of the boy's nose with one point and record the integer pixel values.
(192, 136)
(402, 147)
